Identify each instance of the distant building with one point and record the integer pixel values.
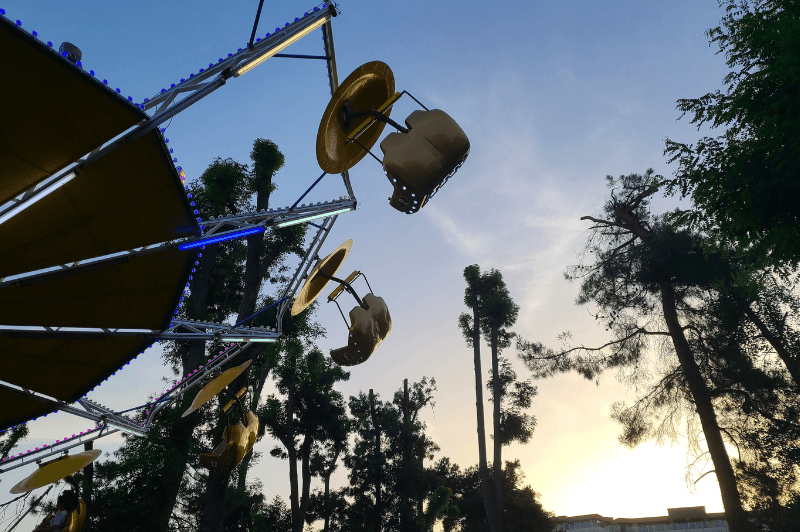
(693, 518)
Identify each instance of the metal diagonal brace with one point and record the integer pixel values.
(311, 256)
(91, 410)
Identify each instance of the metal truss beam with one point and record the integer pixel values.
(61, 447)
(181, 330)
(105, 416)
(96, 412)
(200, 330)
(277, 216)
(243, 59)
(219, 227)
(107, 421)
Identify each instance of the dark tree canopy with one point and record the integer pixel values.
(522, 510)
(745, 183)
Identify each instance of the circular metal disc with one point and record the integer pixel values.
(314, 285)
(367, 87)
(210, 390)
(56, 470)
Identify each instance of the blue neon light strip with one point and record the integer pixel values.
(220, 238)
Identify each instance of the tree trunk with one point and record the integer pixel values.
(88, 484)
(378, 500)
(305, 454)
(253, 274)
(261, 378)
(777, 344)
(420, 466)
(326, 477)
(484, 472)
(734, 513)
(292, 452)
(176, 458)
(180, 434)
(213, 516)
(405, 509)
(327, 480)
(498, 462)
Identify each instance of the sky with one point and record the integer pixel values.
(554, 96)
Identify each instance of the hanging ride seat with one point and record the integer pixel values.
(369, 327)
(237, 441)
(75, 519)
(419, 162)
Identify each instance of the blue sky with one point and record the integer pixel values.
(553, 95)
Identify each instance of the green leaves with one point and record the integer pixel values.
(744, 183)
(515, 398)
(10, 438)
(496, 308)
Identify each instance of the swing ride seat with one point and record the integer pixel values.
(237, 441)
(421, 161)
(75, 519)
(369, 328)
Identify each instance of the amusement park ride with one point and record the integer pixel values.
(85, 286)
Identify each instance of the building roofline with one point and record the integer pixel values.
(662, 519)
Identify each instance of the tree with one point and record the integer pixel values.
(388, 482)
(312, 410)
(522, 511)
(515, 424)
(493, 311)
(124, 487)
(172, 446)
(10, 437)
(642, 264)
(264, 253)
(471, 328)
(332, 509)
(744, 184)
(373, 420)
(415, 484)
(323, 464)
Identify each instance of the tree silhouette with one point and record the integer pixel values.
(522, 511)
(493, 311)
(312, 410)
(743, 184)
(645, 272)
(264, 253)
(388, 455)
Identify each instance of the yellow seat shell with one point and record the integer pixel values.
(420, 161)
(369, 328)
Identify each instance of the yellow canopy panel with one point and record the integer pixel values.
(53, 112)
(17, 409)
(135, 294)
(215, 387)
(63, 368)
(138, 294)
(130, 198)
(56, 470)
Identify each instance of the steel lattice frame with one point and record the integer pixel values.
(164, 106)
